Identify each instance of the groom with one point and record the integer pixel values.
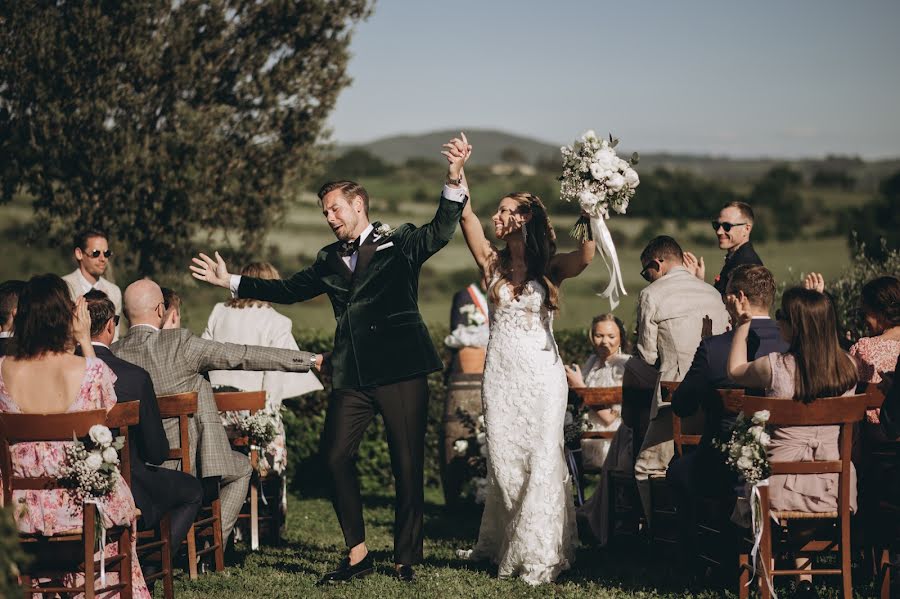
(382, 352)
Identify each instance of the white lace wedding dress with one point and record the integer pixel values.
(528, 526)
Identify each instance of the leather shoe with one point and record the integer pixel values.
(405, 573)
(345, 572)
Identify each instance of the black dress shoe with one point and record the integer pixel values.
(346, 572)
(405, 573)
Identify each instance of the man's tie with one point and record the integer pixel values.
(348, 248)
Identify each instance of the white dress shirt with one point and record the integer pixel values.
(79, 285)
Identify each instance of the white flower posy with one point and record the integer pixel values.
(745, 451)
(92, 472)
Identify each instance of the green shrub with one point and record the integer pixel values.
(304, 418)
(11, 555)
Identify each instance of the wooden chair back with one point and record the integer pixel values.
(29, 428)
(874, 395)
(234, 401)
(732, 401)
(119, 419)
(844, 412)
(182, 406)
(599, 398)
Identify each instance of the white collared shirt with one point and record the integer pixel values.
(79, 285)
(454, 194)
(150, 326)
(98, 344)
(5, 334)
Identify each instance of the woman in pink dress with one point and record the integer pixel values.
(880, 305)
(42, 375)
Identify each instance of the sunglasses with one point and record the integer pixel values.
(96, 253)
(725, 226)
(645, 272)
(116, 319)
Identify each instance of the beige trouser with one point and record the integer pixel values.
(656, 453)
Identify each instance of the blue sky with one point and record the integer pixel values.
(754, 78)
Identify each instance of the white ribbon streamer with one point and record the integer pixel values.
(755, 515)
(606, 248)
(102, 524)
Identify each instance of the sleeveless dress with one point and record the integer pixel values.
(53, 511)
(528, 526)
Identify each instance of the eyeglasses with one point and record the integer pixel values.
(96, 253)
(645, 272)
(725, 226)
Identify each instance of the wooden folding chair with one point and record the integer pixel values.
(153, 545)
(70, 552)
(662, 507)
(253, 402)
(183, 406)
(844, 412)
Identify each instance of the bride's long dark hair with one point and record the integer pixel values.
(540, 247)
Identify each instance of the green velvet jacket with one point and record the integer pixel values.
(380, 335)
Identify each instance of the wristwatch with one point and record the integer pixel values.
(457, 181)
(313, 360)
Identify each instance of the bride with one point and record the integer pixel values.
(528, 526)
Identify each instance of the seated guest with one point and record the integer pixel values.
(43, 376)
(703, 472)
(9, 298)
(732, 229)
(255, 322)
(880, 305)
(172, 302)
(156, 490)
(91, 252)
(603, 368)
(177, 362)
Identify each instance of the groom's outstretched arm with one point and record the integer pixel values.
(302, 286)
(420, 243)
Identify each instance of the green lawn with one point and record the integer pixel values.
(313, 544)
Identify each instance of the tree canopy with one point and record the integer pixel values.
(159, 121)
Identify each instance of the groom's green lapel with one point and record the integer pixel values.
(333, 259)
(366, 252)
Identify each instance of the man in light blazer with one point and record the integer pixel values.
(177, 361)
(672, 311)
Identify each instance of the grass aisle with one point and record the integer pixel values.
(313, 544)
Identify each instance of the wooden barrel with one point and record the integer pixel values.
(463, 395)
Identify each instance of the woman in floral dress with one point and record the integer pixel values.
(42, 376)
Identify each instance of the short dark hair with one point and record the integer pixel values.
(82, 237)
(662, 247)
(757, 283)
(171, 299)
(881, 297)
(43, 321)
(9, 297)
(743, 207)
(349, 189)
(101, 309)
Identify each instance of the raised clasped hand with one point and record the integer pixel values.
(211, 271)
(457, 151)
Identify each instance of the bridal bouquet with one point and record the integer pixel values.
(745, 452)
(598, 180)
(91, 469)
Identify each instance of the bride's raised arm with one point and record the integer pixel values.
(457, 153)
(566, 265)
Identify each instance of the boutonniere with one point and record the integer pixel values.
(381, 230)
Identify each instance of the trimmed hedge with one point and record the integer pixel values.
(304, 417)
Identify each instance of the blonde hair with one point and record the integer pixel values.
(257, 270)
(540, 247)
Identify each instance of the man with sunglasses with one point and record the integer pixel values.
(92, 253)
(732, 229)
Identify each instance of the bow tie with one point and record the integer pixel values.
(348, 248)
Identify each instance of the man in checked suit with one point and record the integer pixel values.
(177, 361)
(382, 352)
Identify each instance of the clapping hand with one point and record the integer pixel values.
(706, 328)
(739, 309)
(457, 153)
(814, 281)
(81, 323)
(211, 271)
(574, 377)
(695, 265)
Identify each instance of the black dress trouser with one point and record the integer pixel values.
(404, 408)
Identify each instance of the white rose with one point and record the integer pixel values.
(744, 463)
(589, 135)
(746, 452)
(481, 420)
(616, 182)
(764, 439)
(482, 438)
(587, 200)
(605, 158)
(569, 419)
(755, 431)
(483, 450)
(94, 460)
(761, 417)
(461, 446)
(597, 172)
(110, 456)
(100, 435)
(621, 165)
(631, 178)
(604, 143)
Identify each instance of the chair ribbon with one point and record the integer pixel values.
(262, 458)
(755, 515)
(606, 248)
(101, 524)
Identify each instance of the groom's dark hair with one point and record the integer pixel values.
(662, 247)
(349, 189)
